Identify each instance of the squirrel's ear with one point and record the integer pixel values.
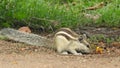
(86, 33)
(84, 36)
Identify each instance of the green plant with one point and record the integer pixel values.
(67, 14)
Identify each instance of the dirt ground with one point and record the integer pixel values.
(19, 55)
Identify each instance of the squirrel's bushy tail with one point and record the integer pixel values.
(24, 37)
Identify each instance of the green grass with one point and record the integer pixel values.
(102, 38)
(37, 13)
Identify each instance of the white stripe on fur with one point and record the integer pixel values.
(63, 32)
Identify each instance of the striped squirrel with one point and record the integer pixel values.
(65, 40)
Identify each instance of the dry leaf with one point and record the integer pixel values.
(14, 62)
(22, 49)
(116, 44)
(100, 5)
(101, 44)
(99, 50)
(25, 29)
(93, 17)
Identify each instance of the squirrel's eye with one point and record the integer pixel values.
(80, 39)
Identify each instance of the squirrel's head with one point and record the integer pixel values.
(83, 39)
